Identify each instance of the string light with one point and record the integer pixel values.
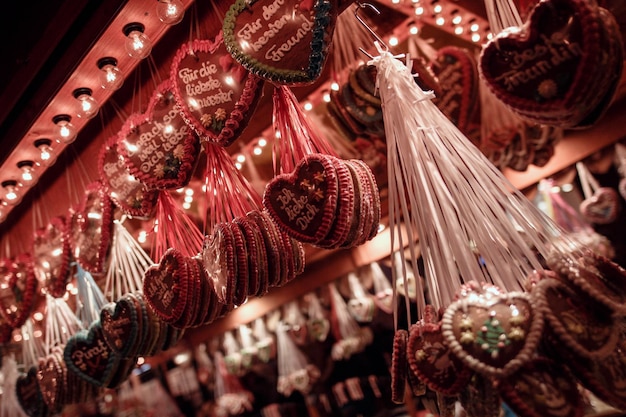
(47, 156)
(66, 132)
(11, 195)
(308, 106)
(393, 41)
(28, 176)
(138, 44)
(170, 12)
(111, 77)
(88, 106)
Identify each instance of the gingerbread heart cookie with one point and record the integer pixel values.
(577, 322)
(546, 71)
(88, 355)
(159, 148)
(126, 191)
(457, 73)
(216, 95)
(120, 325)
(18, 287)
(493, 333)
(28, 394)
(601, 208)
(542, 388)
(282, 41)
(51, 256)
(91, 227)
(431, 360)
(303, 203)
(165, 286)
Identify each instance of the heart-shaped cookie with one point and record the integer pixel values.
(216, 95)
(282, 41)
(580, 324)
(457, 72)
(126, 191)
(91, 228)
(547, 69)
(28, 394)
(18, 287)
(165, 286)
(51, 256)
(493, 333)
(602, 207)
(605, 376)
(431, 360)
(362, 309)
(158, 146)
(52, 380)
(303, 203)
(88, 355)
(120, 326)
(542, 388)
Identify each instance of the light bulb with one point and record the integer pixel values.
(170, 12)
(66, 132)
(111, 78)
(87, 105)
(28, 174)
(47, 156)
(138, 44)
(11, 192)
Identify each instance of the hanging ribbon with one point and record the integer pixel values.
(127, 264)
(90, 299)
(61, 323)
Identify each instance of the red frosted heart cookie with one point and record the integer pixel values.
(126, 192)
(601, 208)
(159, 148)
(219, 260)
(493, 333)
(28, 394)
(165, 286)
(547, 70)
(18, 288)
(282, 41)
(217, 96)
(542, 388)
(91, 227)
(431, 360)
(303, 204)
(581, 325)
(51, 256)
(120, 326)
(457, 73)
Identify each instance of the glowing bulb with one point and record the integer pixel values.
(28, 175)
(66, 132)
(47, 155)
(308, 106)
(334, 86)
(457, 19)
(438, 8)
(138, 44)
(111, 78)
(326, 97)
(88, 106)
(414, 30)
(440, 21)
(257, 151)
(170, 12)
(475, 37)
(458, 30)
(474, 27)
(241, 158)
(11, 194)
(419, 10)
(393, 41)
(262, 142)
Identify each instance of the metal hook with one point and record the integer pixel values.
(364, 23)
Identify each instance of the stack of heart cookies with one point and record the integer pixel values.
(561, 68)
(326, 202)
(249, 254)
